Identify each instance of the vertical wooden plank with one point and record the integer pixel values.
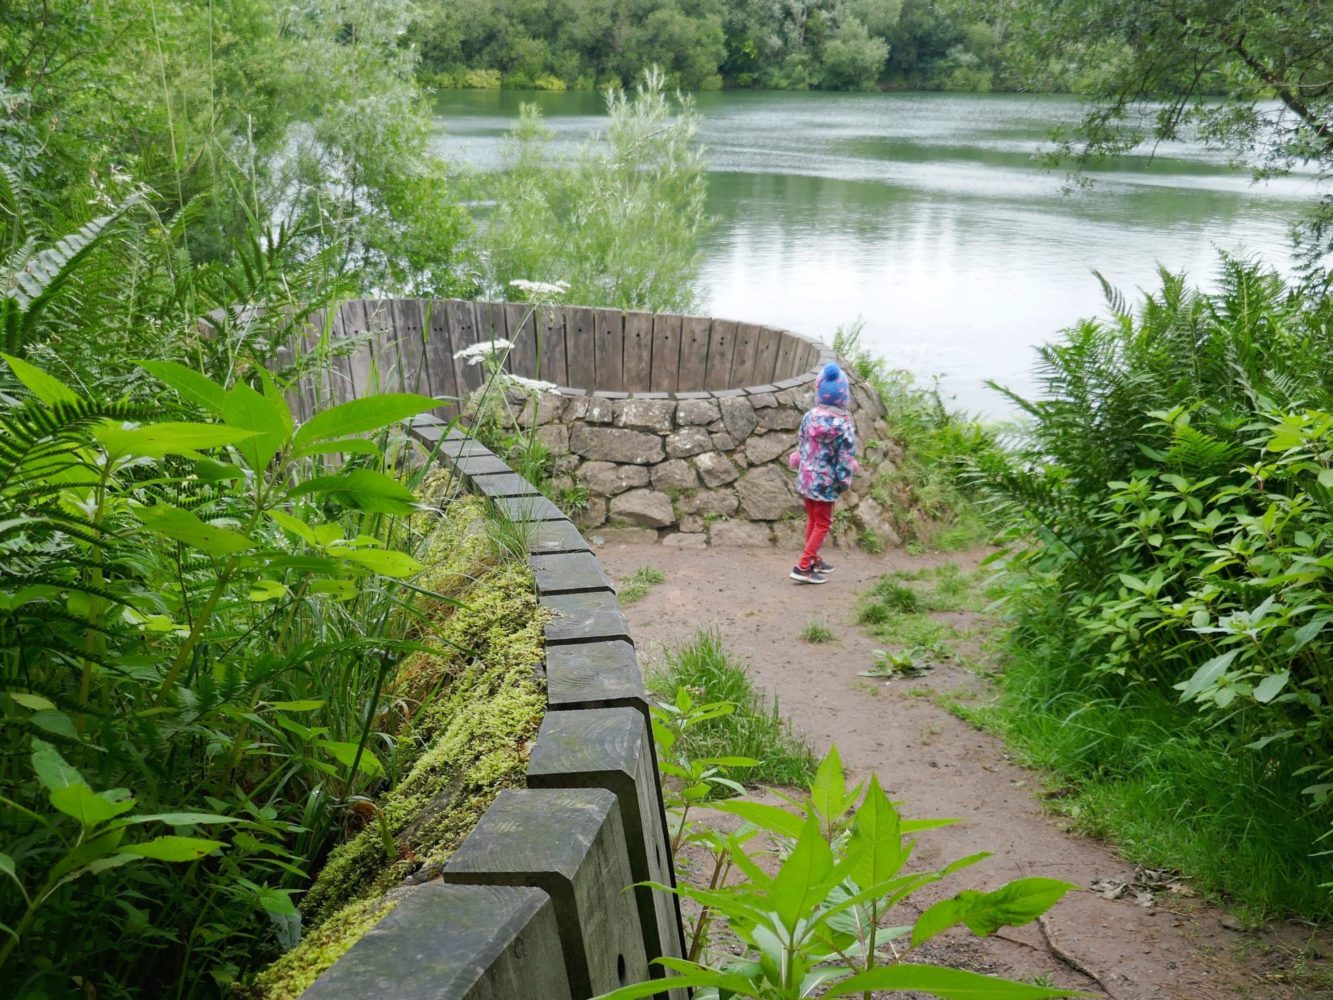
(721, 349)
(666, 352)
(766, 358)
(381, 324)
(609, 350)
(786, 362)
(742, 360)
(412, 374)
(440, 357)
(358, 362)
(551, 348)
(694, 337)
(463, 333)
(580, 324)
(521, 327)
(340, 370)
(638, 359)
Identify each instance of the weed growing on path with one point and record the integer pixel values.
(816, 632)
(636, 586)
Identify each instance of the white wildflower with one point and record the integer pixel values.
(531, 384)
(479, 352)
(540, 287)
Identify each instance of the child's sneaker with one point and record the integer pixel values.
(811, 575)
(822, 567)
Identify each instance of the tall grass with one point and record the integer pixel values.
(755, 729)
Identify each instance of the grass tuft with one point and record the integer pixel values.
(636, 586)
(816, 632)
(756, 729)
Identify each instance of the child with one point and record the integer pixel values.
(824, 464)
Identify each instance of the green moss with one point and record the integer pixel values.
(474, 706)
(293, 973)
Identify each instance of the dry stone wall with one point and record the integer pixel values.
(703, 468)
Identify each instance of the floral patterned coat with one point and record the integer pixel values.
(826, 458)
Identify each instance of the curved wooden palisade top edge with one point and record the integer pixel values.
(784, 356)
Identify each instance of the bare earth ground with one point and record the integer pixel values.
(936, 765)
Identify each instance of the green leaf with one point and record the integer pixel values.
(172, 848)
(363, 489)
(51, 769)
(180, 819)
(951, 984)
(295, 525)
(1326, 478)
(382, 561)
(90, 808)
(766, 817)
(804, 878)
(190, 384)
(360, 415)
(1207, 674)
(276, 902)
(1271, 686)
(876, 840)
(345, 754)
(266, 590)
(828, 792)
(984, 913)
(7, 866)
(343, 446)
(47, 388)
(55, 723)
(157, 440)
(306, 705)
(33, 701)
(267, 416)
(183, 526)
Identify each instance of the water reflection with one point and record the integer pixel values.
(927, 217)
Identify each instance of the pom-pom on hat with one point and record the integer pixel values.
(832, 388)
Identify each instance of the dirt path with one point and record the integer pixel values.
(937, 765)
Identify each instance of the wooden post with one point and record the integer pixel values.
(611, 748)
(571, 844)
(454, 942)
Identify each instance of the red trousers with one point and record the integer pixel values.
(818, 520)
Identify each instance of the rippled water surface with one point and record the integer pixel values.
(926, 217)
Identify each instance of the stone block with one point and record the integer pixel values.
(593, 514)
(571, 844)
(715, 469)
(688, 441)
(616, 444)
(643, 508)
(455, 942)
(780, 418)
(554, 437)
(622, 535)
(535, 508)
(686, 540)
(739, 534)
(696, 412)
(645, 414)
(724, 502)
(766, 493)
(600, 410)
(506, 484)
(612, 748)
(763, 448)
(871, 516)
(675, 474)
(607, 478)
(722, 441)
(739, 417)
(763, 400)
(789, 534)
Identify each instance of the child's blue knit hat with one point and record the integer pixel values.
(832, 388)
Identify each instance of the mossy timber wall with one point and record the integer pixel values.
(538, 901)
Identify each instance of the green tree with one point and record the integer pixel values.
(1254, 78)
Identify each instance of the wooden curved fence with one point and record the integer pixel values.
(409, 345)
(539, 901)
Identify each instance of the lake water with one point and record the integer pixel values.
(927, 218)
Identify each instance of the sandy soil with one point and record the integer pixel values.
(934, 764)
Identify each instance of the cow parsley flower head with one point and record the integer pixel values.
(475, 354)
(531, 384)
